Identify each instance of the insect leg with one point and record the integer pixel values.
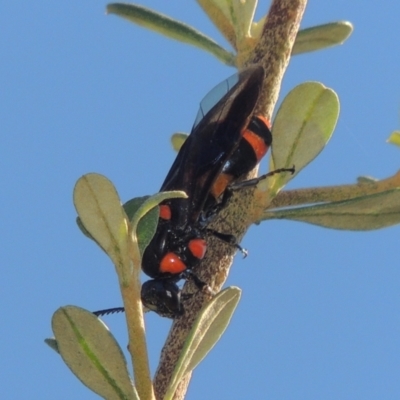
(229, 239)
(255, 181)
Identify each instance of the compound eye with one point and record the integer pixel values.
(198, 248)
(172, 263)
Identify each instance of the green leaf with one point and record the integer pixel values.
(220, 16)
(240, 14)
(234, 19)
(91, 352)
(208, 328)
(132, 205)
(52, 343)
(147, 225)
(322, 36)
(101, 213)
(84, 230)
(303, 125)
(153, 202)
(146, 221)
(177, 140)
(394, 138)
(171, 28)
(360, 214)
(149, 204)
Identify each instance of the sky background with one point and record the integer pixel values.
(84, 92)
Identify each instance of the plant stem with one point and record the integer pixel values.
(273, 52)
(333, 193)
(130, 291)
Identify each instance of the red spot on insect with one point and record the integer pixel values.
(165, 212)
(172, 263)
(198, 248)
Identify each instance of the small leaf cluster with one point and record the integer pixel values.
(84, 341)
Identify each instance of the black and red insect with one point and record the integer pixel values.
(226, 142)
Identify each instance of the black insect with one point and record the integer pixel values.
(226, 142)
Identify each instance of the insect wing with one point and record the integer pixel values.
(213, 96)
(210, 144)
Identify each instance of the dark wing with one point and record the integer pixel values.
(211, 142)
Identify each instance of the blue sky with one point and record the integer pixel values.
(85, 92)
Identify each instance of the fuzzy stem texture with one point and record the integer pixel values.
(273, 52)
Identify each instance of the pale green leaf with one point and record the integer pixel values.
(91, 352)
(218, 6)
(146, 227)
(171, 28)
(208, 328)
(219, 13)
(233, 18)
(322, 36)
(177, 140)
(243, 14)
(303, 125)
(257, 28)
(394, 138)
(362, 213)
(101, 213)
